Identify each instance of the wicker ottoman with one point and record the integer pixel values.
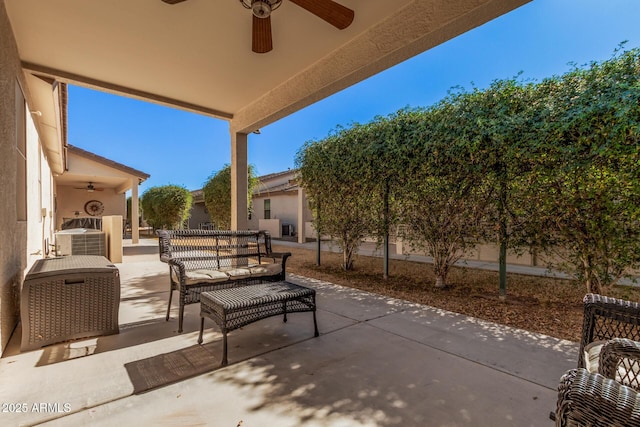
(233, 308)
(69, 297)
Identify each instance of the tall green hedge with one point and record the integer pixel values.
(551, 167)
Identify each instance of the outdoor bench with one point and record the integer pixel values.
(207, 260)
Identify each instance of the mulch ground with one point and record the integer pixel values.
(538, 304)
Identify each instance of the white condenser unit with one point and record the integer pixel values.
(80, 241)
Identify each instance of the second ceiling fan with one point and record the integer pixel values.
(334, 13)
(90, 188)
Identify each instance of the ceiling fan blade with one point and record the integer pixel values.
(335, 14)
(262, 42)
(173, 1)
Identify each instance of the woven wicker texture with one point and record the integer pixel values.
(590, 399)
(233, 308)
(70, 264)
(620, 360)
(68, 298)
(231, 252)
(606, 318)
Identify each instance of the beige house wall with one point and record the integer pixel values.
(199, 215)
(488, 252)
(491, 253)
(12, 233)
(273, 226)
(40, 215)
(288, 205)
(284, 207)
(18, 237)
(71, 200)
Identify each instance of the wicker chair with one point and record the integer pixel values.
(605, 318)
(606, 398)
(604, 390)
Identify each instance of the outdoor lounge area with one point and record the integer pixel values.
(377, 362)
(198, 84)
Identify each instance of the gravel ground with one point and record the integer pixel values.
(545, 305)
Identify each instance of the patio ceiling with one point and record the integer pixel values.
(196, 55)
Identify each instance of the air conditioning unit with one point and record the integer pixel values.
(80, 241)
(288, 230)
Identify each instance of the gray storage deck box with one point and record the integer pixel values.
(69, 297)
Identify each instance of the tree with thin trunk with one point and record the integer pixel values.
(443, 198)
(329, 171)
(217, 195)
(500, 133)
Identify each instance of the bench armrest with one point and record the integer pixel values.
(586, 398)
(275, 256)
(620, 361)
(278, 255)
(177, 265)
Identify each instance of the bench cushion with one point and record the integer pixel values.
(214, 276)
(265, 270)
(237, 273)
(592, 355)
(201, 276)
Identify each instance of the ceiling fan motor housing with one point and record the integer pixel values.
(263, 8)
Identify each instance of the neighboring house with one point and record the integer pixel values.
(199, 215)
(279, 206)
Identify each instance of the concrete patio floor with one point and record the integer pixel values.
(378, 362)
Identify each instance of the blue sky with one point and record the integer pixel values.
(540, 39)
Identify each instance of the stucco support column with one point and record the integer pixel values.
(239, 181)
(301, 218)
(135, 212)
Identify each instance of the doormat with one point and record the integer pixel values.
(164, 369)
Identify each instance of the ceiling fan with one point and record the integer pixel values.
(90, 188)
(335, 14)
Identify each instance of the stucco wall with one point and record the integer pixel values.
(71, 200)
(13, 234)
(199, 215)
(39, 198)
(284, 207)
(486, 253)
(273, 226)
